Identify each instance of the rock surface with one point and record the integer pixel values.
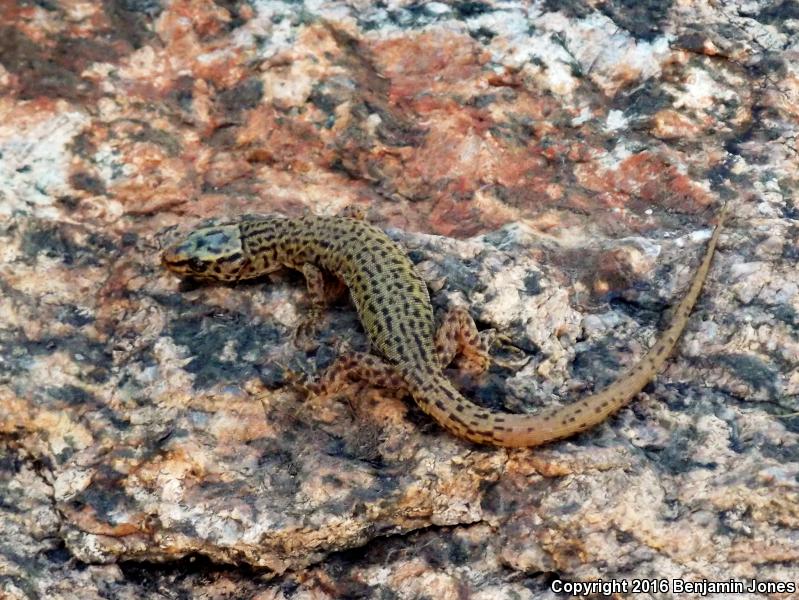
(560, 163)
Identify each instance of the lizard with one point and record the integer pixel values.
(393, 304)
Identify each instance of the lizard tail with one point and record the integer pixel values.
(437, 396)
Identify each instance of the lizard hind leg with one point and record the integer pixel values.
(358, 367)
(458, 336)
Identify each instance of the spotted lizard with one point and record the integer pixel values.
(393, 304)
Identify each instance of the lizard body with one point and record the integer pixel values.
(393, 304)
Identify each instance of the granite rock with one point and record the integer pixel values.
(554, 167)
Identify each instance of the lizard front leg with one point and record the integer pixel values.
(353, 212)
(320, 295)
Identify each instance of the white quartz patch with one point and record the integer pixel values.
(35, 158)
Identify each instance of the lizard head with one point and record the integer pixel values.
(209, 253)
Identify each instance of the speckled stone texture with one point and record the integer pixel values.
(556, 167)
